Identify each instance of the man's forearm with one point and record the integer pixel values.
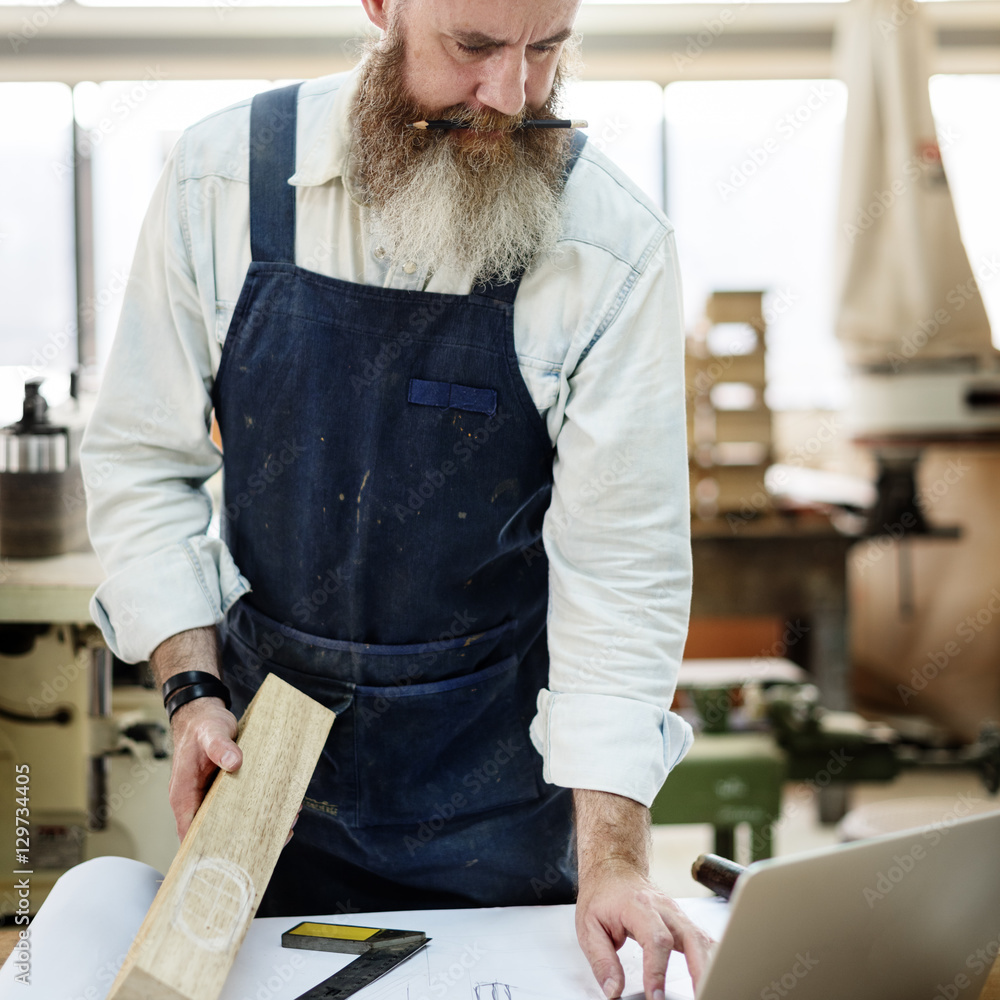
(194, 649)
(611, 830)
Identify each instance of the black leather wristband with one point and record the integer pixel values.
(192, 691)
(186, 677)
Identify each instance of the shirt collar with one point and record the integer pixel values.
(326, 156)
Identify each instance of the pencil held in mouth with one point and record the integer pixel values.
(535, 123)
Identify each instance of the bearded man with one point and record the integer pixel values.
(447, 370)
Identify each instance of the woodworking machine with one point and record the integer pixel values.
(92, 735)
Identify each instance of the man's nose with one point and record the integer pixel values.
(503, 82)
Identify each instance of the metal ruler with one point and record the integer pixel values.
(379, 951)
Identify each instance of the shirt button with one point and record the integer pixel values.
(409, 267)
(378, 253)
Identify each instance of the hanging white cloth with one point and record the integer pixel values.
(905, 286)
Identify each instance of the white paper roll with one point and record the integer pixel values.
(79, 938)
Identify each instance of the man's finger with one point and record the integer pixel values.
(222, 751)
(600, 950)
(690, 939)
(652, 933)
(183, 823)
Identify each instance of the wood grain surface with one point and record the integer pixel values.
(991, 991)
(8, 938)
(196, 924)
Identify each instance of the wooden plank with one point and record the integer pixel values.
(743, 425)
(196, 924)
(702, 373)
(735, 307)
(991, 989)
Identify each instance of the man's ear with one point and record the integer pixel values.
(377, 13)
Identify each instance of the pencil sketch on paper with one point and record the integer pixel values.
(492, 991)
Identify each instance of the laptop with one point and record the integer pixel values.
(906, 916)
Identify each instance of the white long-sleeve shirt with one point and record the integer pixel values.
(598, 334)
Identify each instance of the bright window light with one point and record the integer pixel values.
(37, 237)
(967, 109)
(131, 127)
(753, 174)
(624, 121)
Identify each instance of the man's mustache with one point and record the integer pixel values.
(487, 119)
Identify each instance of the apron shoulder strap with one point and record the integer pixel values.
(272, 162)
(508, 292)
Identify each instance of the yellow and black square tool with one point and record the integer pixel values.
(379, 949)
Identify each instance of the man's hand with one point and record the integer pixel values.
(204, 731)
(616, 899)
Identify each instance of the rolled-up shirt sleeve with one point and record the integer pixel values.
(617, 535)
(147, 451)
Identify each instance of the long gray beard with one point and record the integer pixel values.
(429, 219)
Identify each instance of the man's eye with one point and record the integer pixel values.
(543, 48)
(472, 49)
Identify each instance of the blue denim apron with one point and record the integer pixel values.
(386, 476)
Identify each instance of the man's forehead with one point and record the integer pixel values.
(499, 22)
(478, 39)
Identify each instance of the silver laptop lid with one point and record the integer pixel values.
(908, 916)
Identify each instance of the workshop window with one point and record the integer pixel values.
(37, 253)
(967, 115)
(129, 128)
(753, 174)
(625, 121)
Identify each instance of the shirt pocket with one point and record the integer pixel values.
(542, 379)
(223, 318)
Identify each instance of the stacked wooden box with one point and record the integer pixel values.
(729, 424)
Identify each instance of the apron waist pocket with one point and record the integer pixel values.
(440, 750)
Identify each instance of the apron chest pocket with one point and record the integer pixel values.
(441, 750)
